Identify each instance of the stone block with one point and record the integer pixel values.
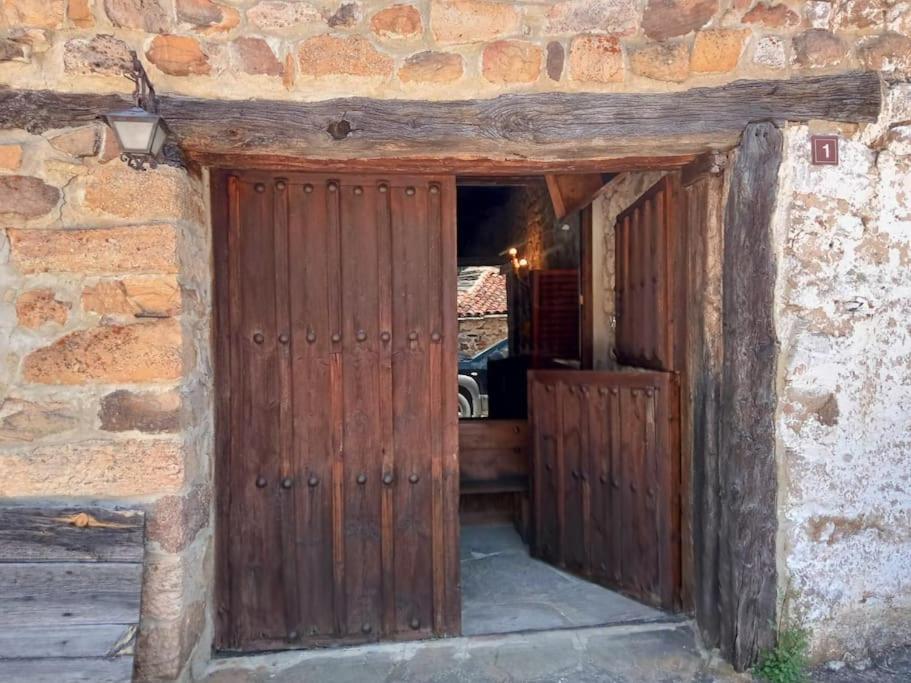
(887, 52)
(10, 157)
(329, 55)
(12, 51)
(255, 57)
(109, 469)
(145, 15)
(556, 56)
(176, 520)
(146, 411)
(101, 54)
(661, 61)
(850, 15)
(432, 67)
(617, 17)
(80, 142)
(277, 15)
(27, 196)
(144, 248)
(346, 16)
(769, 52)
(143, 352)
(472, 21)
(817, 48)
(398, 21)
(163, 648)
(511, 61)
(143, 297)
(178, 55)
(161, 194)
(22, 420)
(207, 16)
(38, 307)
(596, 59)
(774, 16)
(79, 12)
(34, 13)
(665, 19)
(717, 50)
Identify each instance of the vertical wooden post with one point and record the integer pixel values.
(748, 480)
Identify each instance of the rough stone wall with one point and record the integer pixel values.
(105, 378)
(844, 423)
(441, 48)
(476, 334)
(622, 192)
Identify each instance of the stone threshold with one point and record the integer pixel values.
(633, 644)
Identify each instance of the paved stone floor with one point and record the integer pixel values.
(893, 666)
(645, 653)
(504, 590)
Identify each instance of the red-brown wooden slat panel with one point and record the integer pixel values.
(555, 313)
(645, 237)
(350, 281)
(621, 425)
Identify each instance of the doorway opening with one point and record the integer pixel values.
(569, 403)
(349, 463)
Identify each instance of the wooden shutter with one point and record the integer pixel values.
(555, 313)
(337, 424)
(648, 299)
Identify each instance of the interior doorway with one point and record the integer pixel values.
(570, 477)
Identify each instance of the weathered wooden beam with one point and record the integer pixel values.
(29, 534)
(747, 577)
(522, 126)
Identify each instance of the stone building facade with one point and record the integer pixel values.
(106, 371)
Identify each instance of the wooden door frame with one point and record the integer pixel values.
(731, 573)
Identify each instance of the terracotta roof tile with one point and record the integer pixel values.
(482, 291)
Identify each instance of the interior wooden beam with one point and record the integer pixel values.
(571, 192)
(524, 128)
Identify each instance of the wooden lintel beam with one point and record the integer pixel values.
(519, 127)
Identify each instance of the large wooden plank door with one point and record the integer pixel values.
(606, 481)
(337, 462)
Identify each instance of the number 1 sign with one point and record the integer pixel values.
(825, 150)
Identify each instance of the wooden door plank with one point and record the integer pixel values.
(288, 471)
(362, 451)
(385, 266)
(443, 206)
(414, 522)
(311, 299)
(84, 534)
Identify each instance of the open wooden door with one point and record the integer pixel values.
(606, 481)
(607, 445)
(337, 464)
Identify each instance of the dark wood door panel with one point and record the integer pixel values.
(334, 367)
(609, 442)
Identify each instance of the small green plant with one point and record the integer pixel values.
(787, 661)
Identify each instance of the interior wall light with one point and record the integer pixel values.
(140, 130)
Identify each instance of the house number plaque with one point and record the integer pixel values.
(825, 150)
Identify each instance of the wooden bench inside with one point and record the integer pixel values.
(494, 471)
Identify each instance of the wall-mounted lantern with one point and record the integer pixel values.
(140, 131)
